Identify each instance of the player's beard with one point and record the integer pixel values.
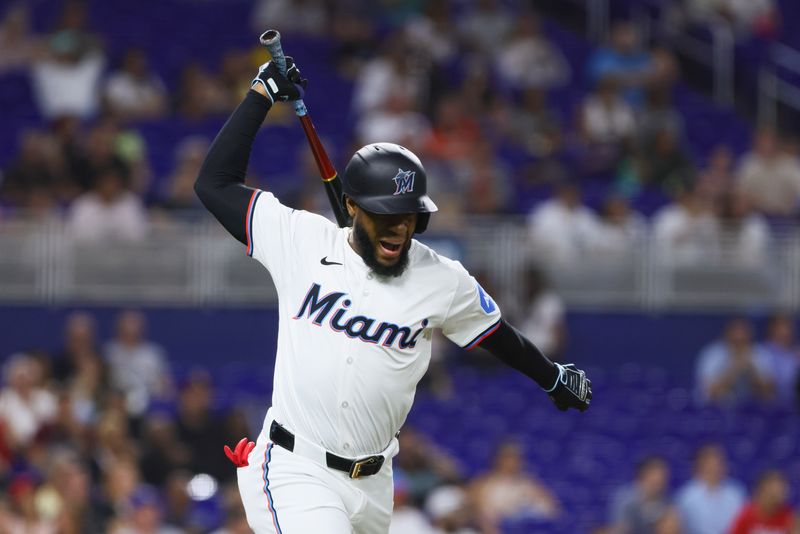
(370, 257)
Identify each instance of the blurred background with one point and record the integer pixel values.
(623, 176)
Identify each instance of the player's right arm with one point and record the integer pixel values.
(220, 184)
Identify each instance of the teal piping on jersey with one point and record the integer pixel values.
(483, 335)
(248, 223)
(270, 503)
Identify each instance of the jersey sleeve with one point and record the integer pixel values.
(473, 314)
(273, 232)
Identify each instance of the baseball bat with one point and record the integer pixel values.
(333, 184)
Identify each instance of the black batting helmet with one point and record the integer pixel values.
(388, 178)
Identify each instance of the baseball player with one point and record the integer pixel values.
(357, 310)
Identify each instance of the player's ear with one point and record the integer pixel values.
(351, 206)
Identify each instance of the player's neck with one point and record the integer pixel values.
(351, 240)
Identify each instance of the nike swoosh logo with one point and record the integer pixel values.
(324, 261)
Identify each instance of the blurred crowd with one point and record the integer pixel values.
(504, 120)
(103, 437)
(99, 437)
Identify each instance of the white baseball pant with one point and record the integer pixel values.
(286, 493)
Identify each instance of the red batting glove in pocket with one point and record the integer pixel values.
(239, 455)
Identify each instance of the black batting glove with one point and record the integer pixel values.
(572, 389)
(280, 87)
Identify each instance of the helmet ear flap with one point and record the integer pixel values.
(422, 222)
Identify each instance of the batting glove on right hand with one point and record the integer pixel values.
(239, 454)
(572, 389)
(280, 87)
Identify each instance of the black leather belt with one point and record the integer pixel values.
(362, 467)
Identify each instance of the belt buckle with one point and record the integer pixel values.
(358, 465)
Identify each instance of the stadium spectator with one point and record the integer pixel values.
(542, 314)
(354, 37)
(659, 114)
(449, 509)
(119, 479)
(178, 504)
(107, 212)
(665, 164)
(717, 178)
(79, 367)
(27, 407)
(770, 176)
(607, 118)
(529, 59)
(395, 122)
(686, 233)
(534, 125)
(486, 27)
(784, 357)
(138, 367)
(607, 124)
(235, 519)
(235, 75)
(113, 434)
(143, 514)
(486, 180)
(406, 518)
(425, 466)
(561, 228)
(38, 168)
(618, 234)
(624, 62)
(92, 153)
(80, 343)
(733, 369)
(769, 509)
(391, 74)
(455, 130)
(304, 17)
(19, 45)
(507, 491)
(25, 518)
(66, 80)
(179, 194)
(200, 94)
(639, 507)
(431, 32)
(162, 451)
(746, 236)
(68, 492)
(710, 501)
(134, 91)
(202, 430)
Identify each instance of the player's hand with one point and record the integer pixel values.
(279, 87)
(240, 453)
(572, 389)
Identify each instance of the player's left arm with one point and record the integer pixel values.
(473, 319)
(566, 385)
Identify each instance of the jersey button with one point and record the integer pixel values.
(349, 359)
(366, 292)
(346, 445)
(345, 404)
(369, 276)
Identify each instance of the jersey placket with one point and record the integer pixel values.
(359, 281)
(361, 299)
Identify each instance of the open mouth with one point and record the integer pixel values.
(391, 248)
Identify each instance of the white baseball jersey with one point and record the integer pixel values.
(352, 346)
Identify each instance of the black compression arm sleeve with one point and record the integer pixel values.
(220, 184)
(517, 351)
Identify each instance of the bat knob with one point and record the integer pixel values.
(270, 37)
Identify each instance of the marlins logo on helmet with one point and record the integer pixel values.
(404, 181)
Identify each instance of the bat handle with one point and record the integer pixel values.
(272, 40)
